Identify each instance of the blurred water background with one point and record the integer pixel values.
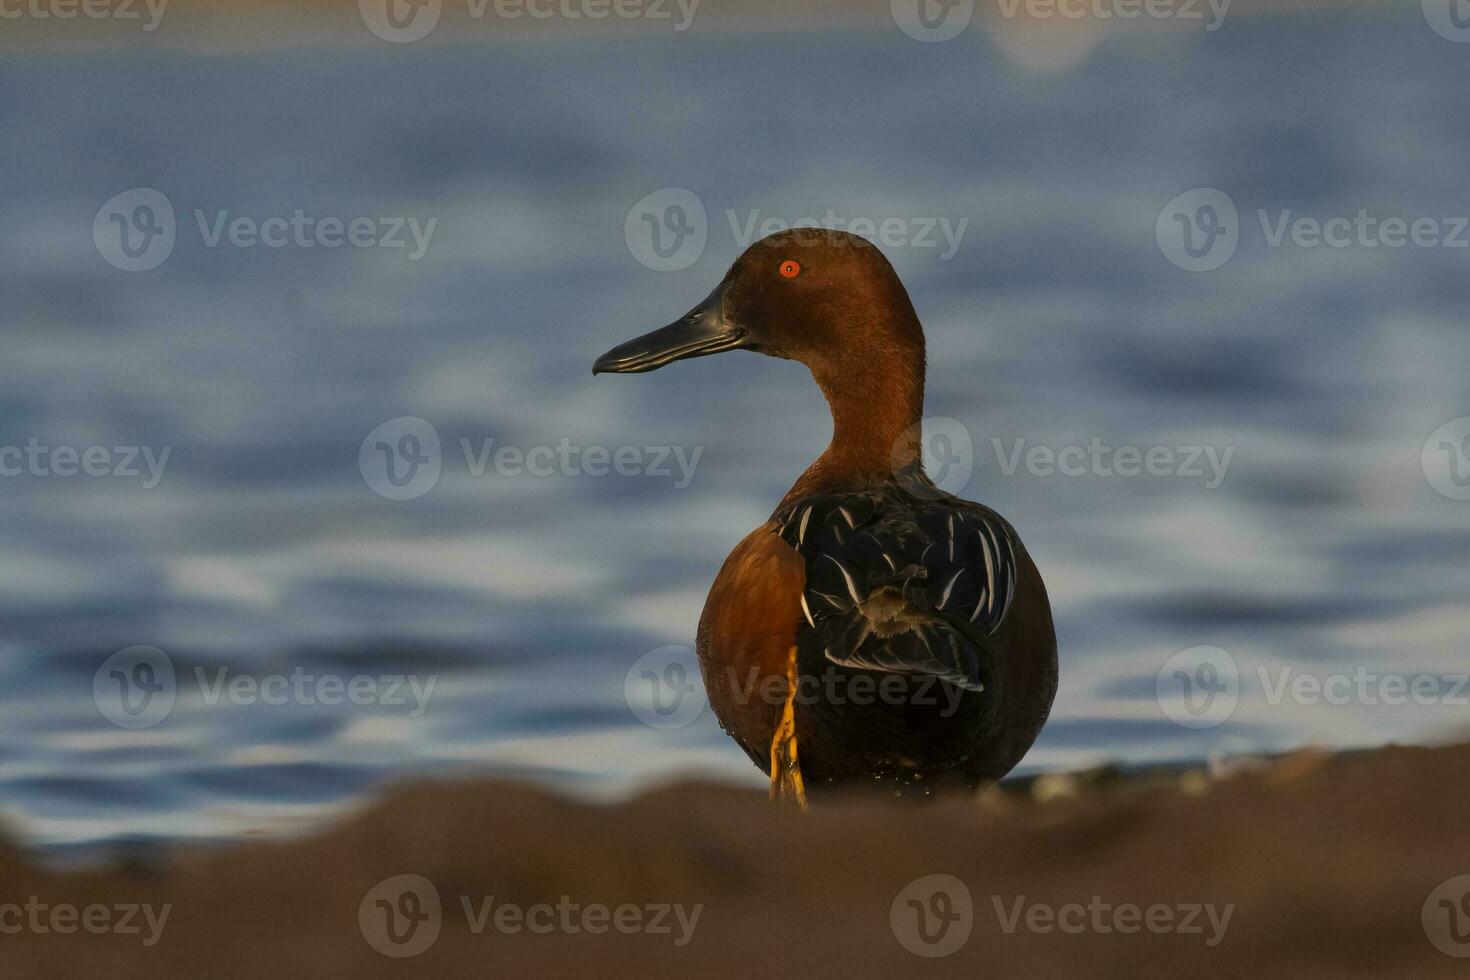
(263, 549)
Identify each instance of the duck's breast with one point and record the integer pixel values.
(746, 636)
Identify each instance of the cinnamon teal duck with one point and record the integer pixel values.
(876, 630)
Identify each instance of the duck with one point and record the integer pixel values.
(876, 632)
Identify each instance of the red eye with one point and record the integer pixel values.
(790, 269)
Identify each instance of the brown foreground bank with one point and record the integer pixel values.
(1310, 866)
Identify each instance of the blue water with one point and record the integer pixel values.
(526, 599)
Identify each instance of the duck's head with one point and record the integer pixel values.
(830, 300)
(826, 298)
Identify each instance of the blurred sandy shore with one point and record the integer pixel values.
(1326, 865)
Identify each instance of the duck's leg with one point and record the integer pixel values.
(786, 781)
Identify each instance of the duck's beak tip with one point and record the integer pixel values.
(625, 359)
(703, 330)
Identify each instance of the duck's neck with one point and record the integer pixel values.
(877, 403)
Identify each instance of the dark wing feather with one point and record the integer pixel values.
(901, 583)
